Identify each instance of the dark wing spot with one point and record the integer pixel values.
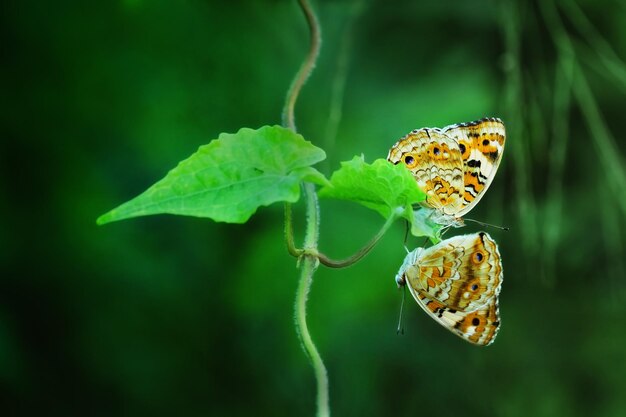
(462, 148)
(475, 321)
(472, 188)
(474, 287)
(473, 163)
(485, 142)
(409, 160)
(436, 151)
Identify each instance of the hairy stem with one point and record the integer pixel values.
(289, 121)
(306, 68)
(309, 261)
(288, 117)
(291, 246)
(308, 266)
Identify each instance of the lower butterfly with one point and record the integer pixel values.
(457, 283)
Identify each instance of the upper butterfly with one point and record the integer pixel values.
(454, 165)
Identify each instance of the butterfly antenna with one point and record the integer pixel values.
(400, 329)
(488, 225)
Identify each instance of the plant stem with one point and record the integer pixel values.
(306, 68)
(325, 260)
(289, 121)
(361, 252)
(288, 117)
(291, 247)
(309, 261)
(308, 266)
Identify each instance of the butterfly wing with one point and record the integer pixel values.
(479, 327)
(435, 161)
(481, 144)
(457, 282)
(463, 272)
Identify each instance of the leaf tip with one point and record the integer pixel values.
(104, 219)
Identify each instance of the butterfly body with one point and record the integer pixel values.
(457, 283)
(453, 165)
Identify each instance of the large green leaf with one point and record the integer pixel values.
(389, 189)
(228, 179)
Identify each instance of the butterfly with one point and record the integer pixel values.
(454, 165)
(457, 283)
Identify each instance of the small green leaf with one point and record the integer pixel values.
(423, 225)
(228, 179)
(389, 189)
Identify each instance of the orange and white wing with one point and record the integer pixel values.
(463, 272)
(457, 282)
(479, 327)
(481, 144)
(435, 161)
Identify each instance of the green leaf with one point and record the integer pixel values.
(422, 225)
(228, 179)
(389, 189)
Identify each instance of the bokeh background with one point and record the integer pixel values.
(181, 316)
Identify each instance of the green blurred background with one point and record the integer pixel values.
(181, 316)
